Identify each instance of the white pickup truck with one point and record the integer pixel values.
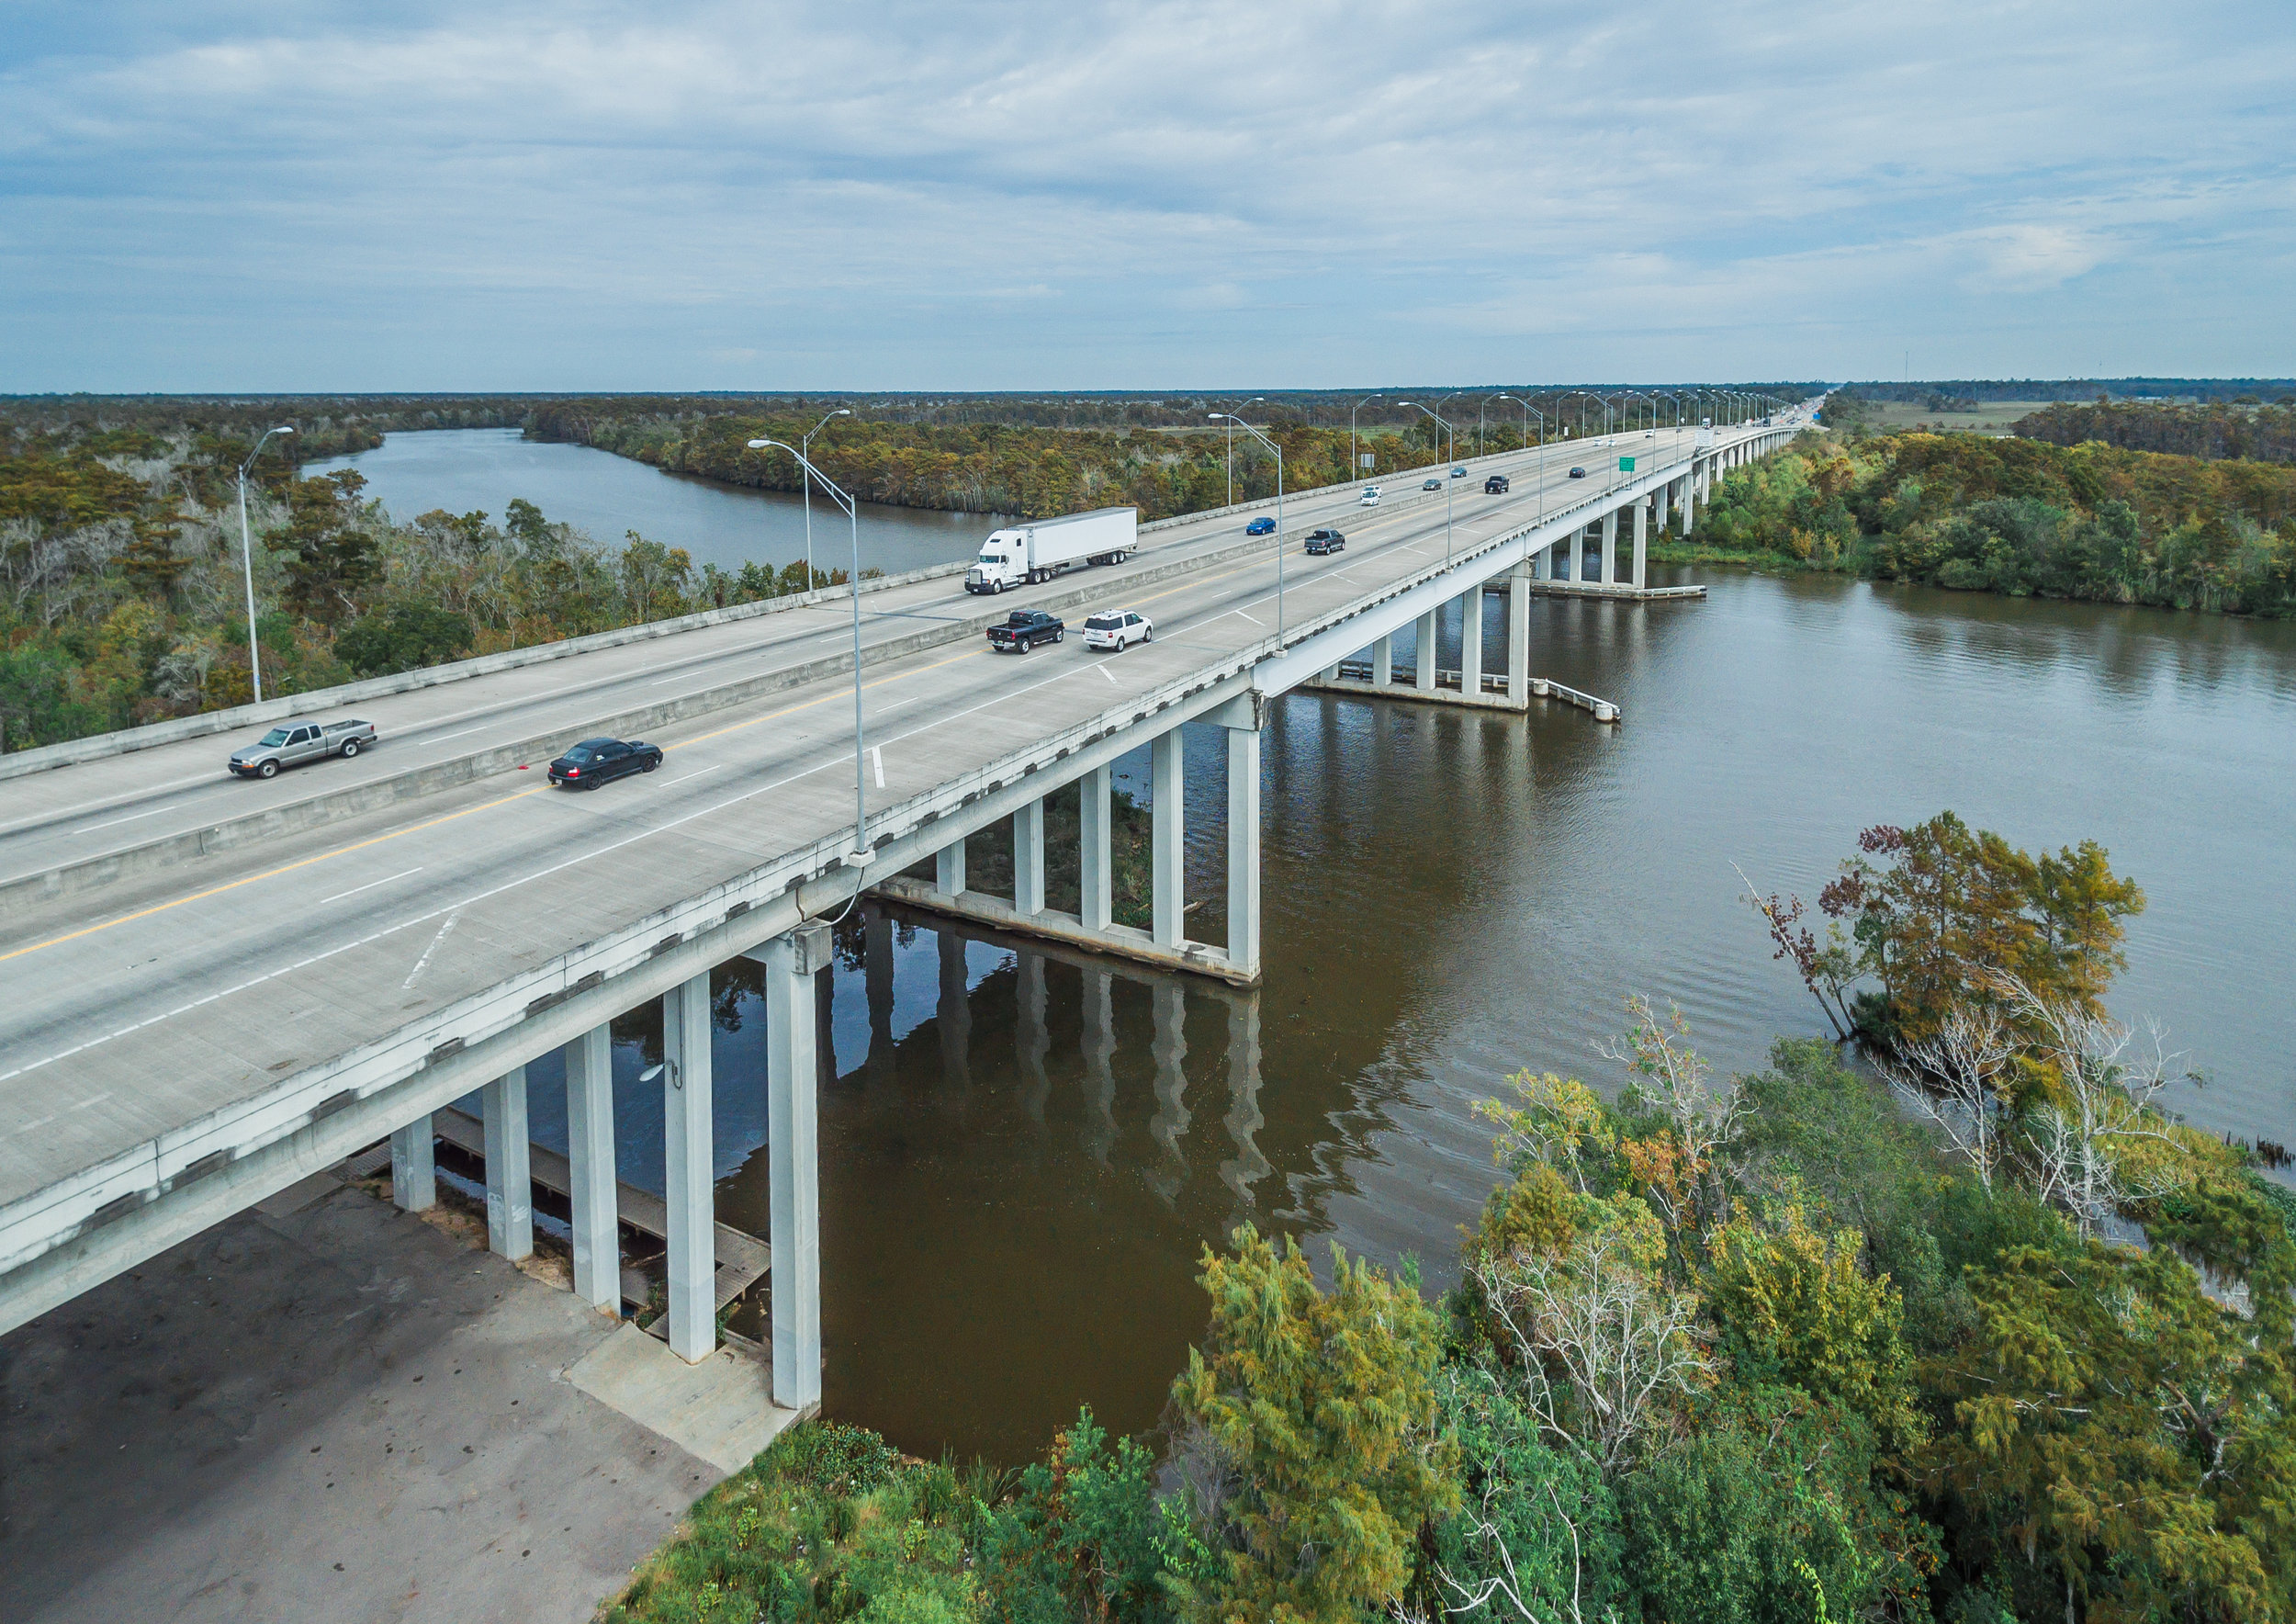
(1026, 554)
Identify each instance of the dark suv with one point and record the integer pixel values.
(1326, 541)
(594, 761)
(1495, 486)
(1024, 629)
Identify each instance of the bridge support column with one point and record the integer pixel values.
(1543, 564)
(794, 1193)
(1660, 501)
(596, 1221)
(414, 1167)
(1166, 840)
(510, 1176)
(1609, 566)
(1027, 859)
(689, 1167)
(1642, 544)
(1690, 487)
(1243, 848)
(1096, 885)
(1519, 633)
(1425, 674)
(949, 869)
(1471, 643)
(1383, 663)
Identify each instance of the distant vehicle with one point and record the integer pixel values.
(1371, 497)
(1025, 628)
(291, 744)
(1459, 472)
(1117, 629)
(1496, 485)
(1262, 525)
(1649, 433)
(1431, 485)
(1578, 473)
(595, 760)
(1326, 541)
(1031, 553)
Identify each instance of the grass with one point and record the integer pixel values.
(1992, 417)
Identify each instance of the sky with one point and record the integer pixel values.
(256, 196)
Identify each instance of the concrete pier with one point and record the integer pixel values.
(792, 1087)
(596, 1220)
(510, 1179)
(690, 1173)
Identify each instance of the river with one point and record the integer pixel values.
(481, 470)
(1015, 1202)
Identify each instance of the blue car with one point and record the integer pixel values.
(1262, 525)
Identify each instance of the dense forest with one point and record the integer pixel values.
(1977, 1333)
(2243, 429)
(2020, 517)
(120, 560)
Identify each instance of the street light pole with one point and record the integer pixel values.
(1449, 461)
(860, 853)
(804, 446)
(1528, 409)
(1279, 450)
(1353, 471)
(247, 560)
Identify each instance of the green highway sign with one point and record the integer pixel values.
(1625, 465)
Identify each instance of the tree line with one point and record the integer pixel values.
(119, 558)
(2213, 429)
(1977, 1332)
(2022, 516)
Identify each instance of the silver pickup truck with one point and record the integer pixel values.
(291, 744)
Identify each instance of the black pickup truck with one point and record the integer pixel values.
(1024, 629)
(1495, 486)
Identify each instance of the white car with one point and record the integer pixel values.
(1117, 629)
(1371, 497)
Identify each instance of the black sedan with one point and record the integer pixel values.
(1326, 541)
(1578, 473)
(1024, 629)
(594, 761)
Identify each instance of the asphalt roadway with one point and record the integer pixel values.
(149, 1003)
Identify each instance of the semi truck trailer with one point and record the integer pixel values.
(1026, 554)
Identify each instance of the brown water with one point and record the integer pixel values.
(1023, 1156)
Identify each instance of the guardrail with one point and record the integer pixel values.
(1601, 710)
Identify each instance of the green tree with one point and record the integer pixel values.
(1947, 911)
(331, 557)
(2113, 1420)
(1321, 1410)
(403, 637)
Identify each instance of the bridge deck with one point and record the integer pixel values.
(167, 1018)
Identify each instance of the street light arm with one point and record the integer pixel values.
(827, 484)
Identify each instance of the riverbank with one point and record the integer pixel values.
(2023, 518)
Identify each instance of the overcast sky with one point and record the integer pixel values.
(255, 196)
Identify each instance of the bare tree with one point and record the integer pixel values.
(1601, 1341)
(1507, 1584)
(2102, 1106)
(1953, 1077)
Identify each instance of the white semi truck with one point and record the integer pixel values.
(1026, 554)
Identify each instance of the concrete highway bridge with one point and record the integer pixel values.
(216, 988)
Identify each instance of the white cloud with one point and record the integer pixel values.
(1093, 196)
